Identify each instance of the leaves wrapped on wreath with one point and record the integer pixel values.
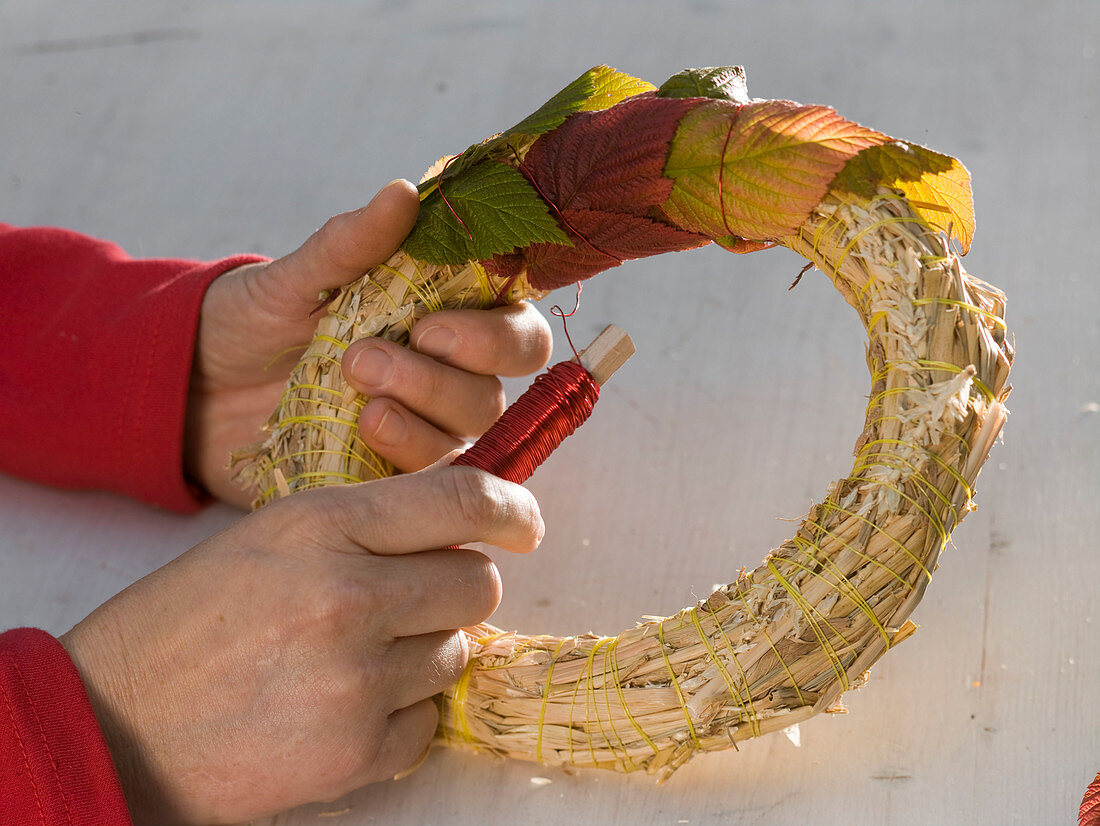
(611, 169)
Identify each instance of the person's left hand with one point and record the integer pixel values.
(256, 320)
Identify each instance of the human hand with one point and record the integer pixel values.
(256, 320)
(290, 657)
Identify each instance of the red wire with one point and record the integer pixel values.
(563, 315)
(439, 186)
(559, 401)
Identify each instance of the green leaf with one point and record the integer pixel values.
(601, 87)
(721, 82)
(937, 186)
(489, 209)
(757, 171)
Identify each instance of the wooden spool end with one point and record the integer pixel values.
(607, 353)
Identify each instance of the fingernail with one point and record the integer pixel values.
(437, 341)
(372, 366)
(541, 533)
(392, 429)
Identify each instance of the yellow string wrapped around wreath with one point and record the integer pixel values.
(621, 169)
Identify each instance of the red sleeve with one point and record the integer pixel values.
(95, 356)
(54, 764)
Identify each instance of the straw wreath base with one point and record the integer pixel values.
(783, 642)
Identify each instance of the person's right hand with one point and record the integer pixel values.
(291, 657)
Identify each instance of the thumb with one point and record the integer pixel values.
(346, 247)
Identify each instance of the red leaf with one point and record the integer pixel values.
(602, 239)
(504, 265)
(602, 174)
(1089, 815)
(741, 246)
(609, 160)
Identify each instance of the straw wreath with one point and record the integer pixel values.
(884, 220)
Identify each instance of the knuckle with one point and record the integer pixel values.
(334, 604)
(475, 497)
(301, 520)
(348, 512)
(328, 236)
(320, 513)
(339, 247)
(429, 382)
(339, 682)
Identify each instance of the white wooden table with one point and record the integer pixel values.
(215, 127)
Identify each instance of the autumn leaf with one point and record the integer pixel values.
(601, 171)
(609, 160)
(757, 171)
(601, 87)
(721, 83)
(937, 186)
(1089, 813)
(602, 240)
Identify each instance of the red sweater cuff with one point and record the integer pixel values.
(54, 764)
(144, 457)
(93, 386)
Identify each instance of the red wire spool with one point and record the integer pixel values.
(549, 411)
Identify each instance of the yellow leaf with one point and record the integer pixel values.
(937, 186)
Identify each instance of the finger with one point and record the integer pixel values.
(505, 341)
(433, 591)
(409, 732)
(344, 248)
(421, 511)
(457, 402)
(426, 664)
(401, 437)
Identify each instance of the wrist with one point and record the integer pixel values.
(96, 655)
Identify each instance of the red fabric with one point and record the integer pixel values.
(54, 763)
(95, 356)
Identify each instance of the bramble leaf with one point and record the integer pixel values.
(602, 173)
(937, 186)
(601, 87)
(1089, 812)
(720, 82)
(611, 159)
(601, 240)
(758, 170)
(489, 209)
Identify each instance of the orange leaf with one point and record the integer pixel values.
(757, 171)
